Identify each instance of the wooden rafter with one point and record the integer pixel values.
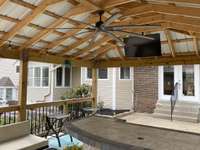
(119, 51)
(3, 2)
(102, 52)
(41, 8)
(170, 43)
(195, 45)
(73, 46)
(81, 8)
(96, 52)
(95, 44)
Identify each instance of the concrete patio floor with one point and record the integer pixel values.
(149, 120)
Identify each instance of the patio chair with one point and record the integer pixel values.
(17, 137)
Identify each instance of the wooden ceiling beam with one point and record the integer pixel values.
(3, 2)
(157, 61)
(80, 8)
(170, 43)
(5, 52)
(41, 8)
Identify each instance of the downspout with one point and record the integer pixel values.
(51, 82)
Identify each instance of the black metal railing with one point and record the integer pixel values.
(174, 98)
(38, 112)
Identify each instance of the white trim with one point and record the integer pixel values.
(178, 78)
(132, 87)
(114, 89)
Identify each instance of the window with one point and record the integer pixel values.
(38, 76)
(103, 73)
(89, 73)
(59, 73)
(125, 73)
(188, 80)
(45, 76)
(30, 76)
(9, 93)
(63, 77)
(17, 69)
(1, 93)
(168, 75)
(67, 76)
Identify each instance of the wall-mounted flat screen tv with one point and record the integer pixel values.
(143, 47)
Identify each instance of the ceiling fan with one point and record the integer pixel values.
(105, 27)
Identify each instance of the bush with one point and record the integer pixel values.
(82, 91)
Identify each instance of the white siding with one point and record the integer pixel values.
(104, 88)
(124, 91)
(8, 69)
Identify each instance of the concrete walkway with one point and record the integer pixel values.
(149, 120)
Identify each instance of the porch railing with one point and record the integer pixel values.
(37, 112)
(174, 98)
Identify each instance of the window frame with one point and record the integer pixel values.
(130, 73)
(103, 78)
(63, 78)
(41, 77)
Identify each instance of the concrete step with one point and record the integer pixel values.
(192, 109)
(176, 117)
(179, 103)
(176, 112)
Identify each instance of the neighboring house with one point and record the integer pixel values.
(115, 86)
(46, 82)
(8, 91)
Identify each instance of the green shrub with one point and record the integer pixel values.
(82, 91)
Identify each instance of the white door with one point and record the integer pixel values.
(188, 78)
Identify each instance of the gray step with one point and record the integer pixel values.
(176, 117)
(180, 103)
(194, 109)
(176, 112)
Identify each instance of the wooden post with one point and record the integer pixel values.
(22, 96)
(94, 87)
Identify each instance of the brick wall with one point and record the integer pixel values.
(146, 88)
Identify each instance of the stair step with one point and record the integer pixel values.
(194, 109)
(176, 112)
(176, 117)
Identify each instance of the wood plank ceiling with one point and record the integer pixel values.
(30, 25)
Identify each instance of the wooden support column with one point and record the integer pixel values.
(22, 96)
(94, 86)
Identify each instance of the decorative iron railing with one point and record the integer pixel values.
(174, 98)
(37, 112)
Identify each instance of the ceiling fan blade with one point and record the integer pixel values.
(83, 22)
(71, 28)
(83, 32)
(112, 18)
(94, 37)
(131, 27)
(136, 35)
(113, 36)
